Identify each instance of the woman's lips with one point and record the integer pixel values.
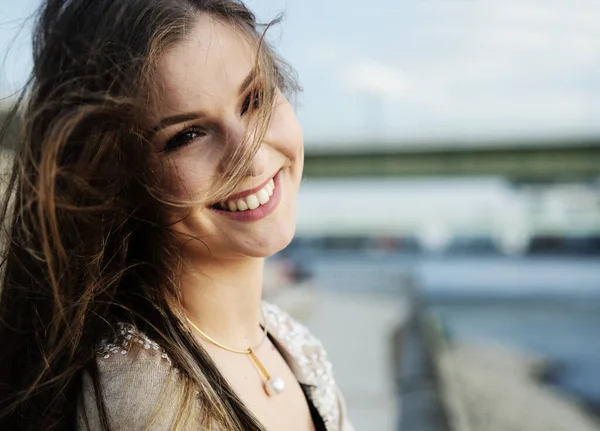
(251, 191)
(255, 204)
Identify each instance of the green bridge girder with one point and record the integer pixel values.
(575, 159)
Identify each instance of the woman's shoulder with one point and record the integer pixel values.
(128, 345)
(129, 355)
(138, 383)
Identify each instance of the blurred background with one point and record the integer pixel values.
(448, 233)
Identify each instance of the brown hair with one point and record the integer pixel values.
(85, 247)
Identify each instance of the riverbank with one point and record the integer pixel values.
(499, 389)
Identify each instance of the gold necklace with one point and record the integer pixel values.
(273, 385)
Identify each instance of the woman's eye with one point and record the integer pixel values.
(184, 138)
(251, 103)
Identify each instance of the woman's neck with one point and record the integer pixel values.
(223, 299)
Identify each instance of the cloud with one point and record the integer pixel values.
(516, 65)
(374, 78)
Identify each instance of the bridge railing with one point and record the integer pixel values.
(429, 395)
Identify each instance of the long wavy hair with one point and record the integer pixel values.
(84, 244)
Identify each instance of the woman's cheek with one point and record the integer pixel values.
(190, 177)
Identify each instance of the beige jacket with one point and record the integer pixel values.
(135, 374)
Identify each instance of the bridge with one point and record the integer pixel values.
(569, 159)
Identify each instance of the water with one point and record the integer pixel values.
(566, 333)
(548, 306)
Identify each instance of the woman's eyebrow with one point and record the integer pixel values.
(181, 118)
(175, 119)
(247, 81)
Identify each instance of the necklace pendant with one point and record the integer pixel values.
(274, 386)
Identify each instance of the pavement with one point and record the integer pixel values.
(356, 330)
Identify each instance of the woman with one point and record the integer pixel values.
(158, 164)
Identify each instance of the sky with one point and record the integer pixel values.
(428, 71)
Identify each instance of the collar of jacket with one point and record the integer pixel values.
(308, 360)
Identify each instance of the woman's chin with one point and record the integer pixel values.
(268, 245)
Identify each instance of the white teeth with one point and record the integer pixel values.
(251, 201)
(263, 196)
(270, 187)
(242, 205)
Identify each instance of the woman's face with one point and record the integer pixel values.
(206, 102)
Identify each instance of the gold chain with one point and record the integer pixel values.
(216, 343)
(249, 351)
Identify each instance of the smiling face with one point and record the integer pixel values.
(207, 100)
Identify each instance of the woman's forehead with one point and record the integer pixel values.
(206, 69)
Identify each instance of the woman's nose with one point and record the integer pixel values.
(259, 162)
